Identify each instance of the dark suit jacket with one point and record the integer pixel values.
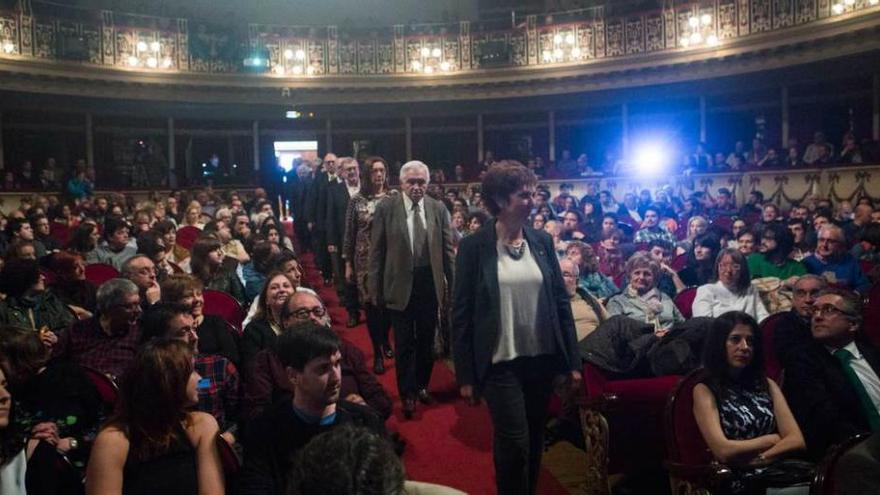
(316, 201)
(823, 402)
(391, 265)
(300, 194)
(476, 316)
(337, 207)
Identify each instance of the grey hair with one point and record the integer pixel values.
(345, 160)
(126, 270)
(577, 270)
(833, 228)
(304, 168)
(113, 292)
(812, 276)
(415, 164)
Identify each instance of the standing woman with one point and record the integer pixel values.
(356, 254)
(514, 330)
(154, 443)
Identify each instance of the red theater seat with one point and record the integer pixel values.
(98, 273)
(229, 461)
(225, 306)
(105, 385)
(679, 262)
(771, 362)
(684, 301)
(187, 235)
(871, 314)
(622, 423)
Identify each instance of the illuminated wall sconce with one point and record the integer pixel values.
(294, 63)
(149, 55)
(430, 60)
(839, 7)
(8, 46)
(700, 32)
(565, 49)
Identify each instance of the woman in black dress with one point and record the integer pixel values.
(154, 443)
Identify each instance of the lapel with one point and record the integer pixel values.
(538, 251)
(429, 206)
(399, 215)
(489, 260)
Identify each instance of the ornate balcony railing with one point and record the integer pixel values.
(153, 44)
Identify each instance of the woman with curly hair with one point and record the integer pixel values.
(84, 239)
(154, 443)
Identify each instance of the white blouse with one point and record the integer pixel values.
(713, 300)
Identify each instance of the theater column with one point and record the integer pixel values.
(480, 138)
(408, 124)
(875, 132)
(90, 141)
(624, 124)
(551, 136)
(255, 132)
(172, 159)
(785, 117)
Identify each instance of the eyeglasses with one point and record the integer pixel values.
(829, 310)
(730, 266)
(304, 313)
(805, 293)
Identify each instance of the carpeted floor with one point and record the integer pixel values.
(449, 443)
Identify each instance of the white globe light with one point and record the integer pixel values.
(288, 54)
(712, 40)
(569, 38)
(132, 61)
(693, 22)
(167, 63)
(558, 53)
(706, 19)
(429, 70)
(141, 46)
(557, 38)
(436, 52)
(155, 46)
(426, 52)
(152, 62)
(685, 42)
(696, 38)
(297, 69)
(548, 56)
(576, 52)
(416, 65)
(837, 8)
(300, 55)
(849, 2)
(444, 66)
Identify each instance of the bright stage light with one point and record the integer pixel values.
(837, 8)
(651, 159)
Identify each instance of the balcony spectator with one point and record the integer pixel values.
(583, 166)
(700, 160)
(850, 152)
(79, 187)
(819, 151)
(737, 157)
(757, 154)
(567, 166)
(793, 159)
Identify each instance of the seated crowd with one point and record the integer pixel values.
(658, 284)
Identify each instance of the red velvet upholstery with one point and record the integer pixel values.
(871, 313)
(106, 387)
(634, 411)
(59, 232)
(723, 222)
(684, 301)
(98, 273)
(679, 262)
(225, 306)
(618, 280)
(229, 461)
(187, 235)
(684, 442)
(49, 275)
(771, 362)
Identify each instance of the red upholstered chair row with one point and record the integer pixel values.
(225, 306)
(98, 273)
(871, 314)
(684, 301)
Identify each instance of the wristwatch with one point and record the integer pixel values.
(74, 444)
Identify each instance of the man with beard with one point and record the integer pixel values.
(651, 229)
(832, 261)
(312, 361)
(772, 260)
(793, 327)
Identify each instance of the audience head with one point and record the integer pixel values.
(652, 216)
(19, 228)
(21, 249)
(831, 241)
(414, 179)
(302, 306)
(732, 352)
(116, 232)
(287, 263)
(141, 270)
(12, 438)
(24, 353)
(660, 250)
(68, 266)
(776, 241)
(21, 277)
(185, 289)
(837, 317)
(348, 460)
(206, 257)
(276, 291)
(375, 176)
(172, 321)
(798, 229)
(643, 272)
(732, 271)
(158, 389)
(706, 248)
(570, 275)
(167, 232)
(509, 188)
(310, 353)
(745, 242)
(476, 220)
(697, 226)
(41, 227)
(119, 304)
(806, 290)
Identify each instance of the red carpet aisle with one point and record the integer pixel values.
(448, 443)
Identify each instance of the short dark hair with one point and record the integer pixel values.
(14, 225)
(150, 244)
(304, 341)
(112, 225)
(661, 243)
(19, 275)
(715, 354)
(154, 321)
(503, 179)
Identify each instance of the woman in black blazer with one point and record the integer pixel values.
(514, 331)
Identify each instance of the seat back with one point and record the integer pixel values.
(824, 479)
(871, 314)
(684, 442)
(684, 301)
(771, 361)
(679, 262)
(225, 306)
(59, 232)
(594, 381)
(229, 461)
(98, 273)
(106, 387)
(187, 235)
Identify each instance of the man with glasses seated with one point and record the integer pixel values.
(267, 380)
(832, 261)
(108, 341)
(141, 270)
(832, 381)
(793, 327)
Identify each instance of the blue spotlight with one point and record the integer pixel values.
(651, 158)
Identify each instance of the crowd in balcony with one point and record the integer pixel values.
(103, 289)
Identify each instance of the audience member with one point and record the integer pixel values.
(117, 246)
(793, 327)
(267, 324)
(700, 268)
(207, 266)
(70, 283)
(641, 300)
(651, 228)
(832, 261)
(731, 291)
(774, 260)
(28, 304)
(141, 270)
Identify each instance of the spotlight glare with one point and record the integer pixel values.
(693, 22)
(651, 159)
(436, 52)
(288, 54)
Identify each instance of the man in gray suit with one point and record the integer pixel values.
(411, 263)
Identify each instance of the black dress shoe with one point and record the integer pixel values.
(409, 408)
(387, 351)
(425, 398)
(353, 321)
(378, 365)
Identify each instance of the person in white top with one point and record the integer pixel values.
(731, 291)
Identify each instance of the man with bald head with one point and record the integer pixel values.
(833, 262)
(316, 214)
